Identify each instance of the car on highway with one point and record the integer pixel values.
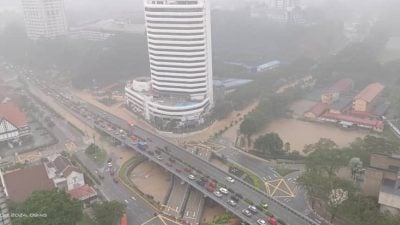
(191, 177)
(232, 203)
(264, 205)
(218, 194)
(159, 157)
(246, 212)
(230, 179)
(252, 208)
(223, 190)
(261, 222)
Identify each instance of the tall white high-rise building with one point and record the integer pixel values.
(179, 41)
(44, 18)
(179, 44)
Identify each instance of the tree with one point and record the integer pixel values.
(55, 207)
(248, 127)
(270, 144)
(313, 183)
(108, 213)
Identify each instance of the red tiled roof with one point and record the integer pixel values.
(370, 92)
(356, 120)
(319, 109)
(12, 113)
(83, 192)
(340, 86)
(21, 183)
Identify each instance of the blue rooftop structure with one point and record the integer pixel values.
(231, 83)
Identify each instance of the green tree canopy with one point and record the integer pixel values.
(56, 205)
(108, 213)
(270, 144)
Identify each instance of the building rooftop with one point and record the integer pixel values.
(21, 183)
(356, 120)
(341, 104)
(319, 109)
(13, 114)
(61, 163)
(340, 86)
(67, 171)
(83, 192)
(370, 92)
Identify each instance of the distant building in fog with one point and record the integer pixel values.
(44, 18)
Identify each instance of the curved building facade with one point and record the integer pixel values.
(180, 86)
(179, 44)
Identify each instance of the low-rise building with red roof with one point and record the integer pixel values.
(317, 110)
(350, 121)
(365, 99)
(85, 193)
(332, 93)
(19, 184)
(13, 122)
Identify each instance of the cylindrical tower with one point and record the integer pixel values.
(179, 44)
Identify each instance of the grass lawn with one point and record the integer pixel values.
(86, 220)
(96, 153)
(257, 182)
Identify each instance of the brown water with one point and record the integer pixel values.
(299, 133)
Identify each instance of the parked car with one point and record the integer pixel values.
(191, 177)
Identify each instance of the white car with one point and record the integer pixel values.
(224, 191)
(232, 203)
(191, 177)
(252, 208)
(261, 222)
(218, 194)
(230, 179)
(246, 212)
(109, 164)
(159, 157)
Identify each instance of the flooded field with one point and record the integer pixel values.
(300, 133)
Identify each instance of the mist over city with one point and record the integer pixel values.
(199, 112)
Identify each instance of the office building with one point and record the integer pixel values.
(44, 18)
(179, 43)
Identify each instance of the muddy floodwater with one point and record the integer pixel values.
(300, 133)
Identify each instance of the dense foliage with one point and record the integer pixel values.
(320, 180)
(108, 213)
(54, 207)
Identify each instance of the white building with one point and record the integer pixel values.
(179, 44)
(44, 18)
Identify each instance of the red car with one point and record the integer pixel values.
(169, 164)
(178, 170)
(272, 220)
(188, 170)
